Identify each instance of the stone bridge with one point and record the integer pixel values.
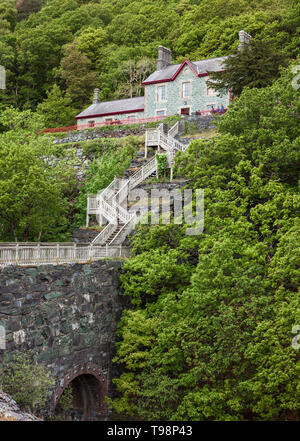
(68, 314)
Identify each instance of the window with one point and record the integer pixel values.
(185, 111)
(131, 117)
(91, 123)
(161, 93)
(186, 90)
(108, 119)
(211, 107)
(210, 92)
(160, 112)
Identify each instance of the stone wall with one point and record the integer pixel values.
(99, 133)
(68, 314)
(202, 122)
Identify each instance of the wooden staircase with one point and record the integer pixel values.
(107, 204)
(111, 237)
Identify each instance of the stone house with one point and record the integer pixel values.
(172, 89)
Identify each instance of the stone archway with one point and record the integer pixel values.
(89, 387)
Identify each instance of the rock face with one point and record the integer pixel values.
(84, 236)
(68, 314)
(9, 411)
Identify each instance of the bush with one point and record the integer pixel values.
(28, 382)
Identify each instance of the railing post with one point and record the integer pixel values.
(120, 251)
(74, 251)
(146, 144)
(57, 253)
(90, 252)
(39, 253)
(87, 212)
(17, 253)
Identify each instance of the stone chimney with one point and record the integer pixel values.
(244, 39)
(96, 99)
(164, 58)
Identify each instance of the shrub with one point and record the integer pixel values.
(28, 382)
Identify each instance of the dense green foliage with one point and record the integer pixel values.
(35, 186)
(162, 165)
(64, 48)
(255, 65)
(28, 382)
(209, 334)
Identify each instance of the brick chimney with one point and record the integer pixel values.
(164, 58)
(96, 99)
(244, 39)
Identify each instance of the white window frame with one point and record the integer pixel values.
(211, 104)
(182, 89)
(158, 100)
(160, 110)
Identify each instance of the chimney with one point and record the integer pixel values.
(164, 58)
(244, 39)
(96, 99)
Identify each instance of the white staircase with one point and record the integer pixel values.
(107, 203)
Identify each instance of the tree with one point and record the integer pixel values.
(28, 382)
(56, 109)
(256, 65)
(91, 43)
(77, 75)
(131, 74)
(27, 7)
(33, 182)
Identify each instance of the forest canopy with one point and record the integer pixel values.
(114, 43)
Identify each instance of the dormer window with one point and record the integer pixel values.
(161, 93)
(186, 90)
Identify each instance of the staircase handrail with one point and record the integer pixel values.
(104, 234)
(174, 130)
(143, 173)
(125, 228)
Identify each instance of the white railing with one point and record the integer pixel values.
(166, 141)
(102, 237)
(124, 232)
(56, 253)
(174, 130)
(143, 173)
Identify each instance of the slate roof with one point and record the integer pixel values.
(201, 67)
(113, 107)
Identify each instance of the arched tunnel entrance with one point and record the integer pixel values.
(82, 397)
